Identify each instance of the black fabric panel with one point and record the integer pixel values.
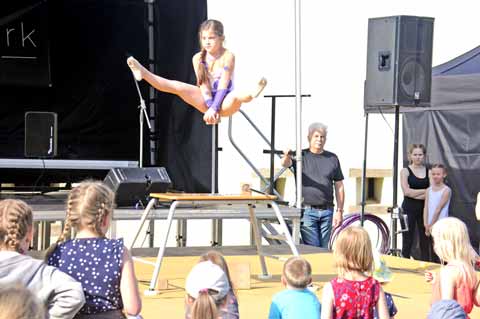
(184, 139)
(453, 139)
(93, 91)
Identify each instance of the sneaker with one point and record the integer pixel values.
(136, 68)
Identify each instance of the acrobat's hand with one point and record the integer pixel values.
(136, 68)
(211, 117)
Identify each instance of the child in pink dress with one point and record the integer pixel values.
(353, 295)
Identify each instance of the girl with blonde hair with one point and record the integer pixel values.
(103, 266)
(457, 279)
(353, 294)
(61, 294)
(214, 66)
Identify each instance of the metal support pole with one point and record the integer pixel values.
(364, 172)
(394, 250)
(216, 223)
(152, 93)
(272, 148)
(298, 102)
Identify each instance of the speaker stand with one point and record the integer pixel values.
(394, 251)
(142, 113)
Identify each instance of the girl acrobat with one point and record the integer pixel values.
(214, 66)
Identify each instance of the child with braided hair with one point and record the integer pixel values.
(61, 294)
(103, 266)
(214, 94)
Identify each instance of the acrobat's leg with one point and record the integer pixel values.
(234, 99)
(189, 93)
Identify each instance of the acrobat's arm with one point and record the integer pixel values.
(224, 82)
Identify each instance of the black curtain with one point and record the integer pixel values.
(93, 91)
(452, 138)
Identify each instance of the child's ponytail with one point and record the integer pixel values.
(204, 307)
(16, 220)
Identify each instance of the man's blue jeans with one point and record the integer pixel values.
(316, 227)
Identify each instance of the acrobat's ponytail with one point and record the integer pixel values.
(202, 69)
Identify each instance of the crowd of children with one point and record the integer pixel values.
(91, 276)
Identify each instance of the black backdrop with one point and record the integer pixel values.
(93, 92)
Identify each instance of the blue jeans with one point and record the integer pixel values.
(316, 227)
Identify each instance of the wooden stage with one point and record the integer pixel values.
(410, 291)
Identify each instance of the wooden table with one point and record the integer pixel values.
(199, 201)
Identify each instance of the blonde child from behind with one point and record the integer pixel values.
(352, 252)
(296, 301)
(207, 288)
(61, 294)
(103, 266)
(457, 280)
(229, 308)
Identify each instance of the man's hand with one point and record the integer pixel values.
(337, 218)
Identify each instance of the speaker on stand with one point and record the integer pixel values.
(399, 74)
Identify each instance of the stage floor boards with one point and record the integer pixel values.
(410, 291)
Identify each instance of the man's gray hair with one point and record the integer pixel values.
(317, 126)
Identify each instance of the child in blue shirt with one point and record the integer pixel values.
(296, 301)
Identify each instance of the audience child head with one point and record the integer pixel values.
(352, 251)
(207, 287)
(17, 302)
(16, 231)
(297, 273)
(452, 242)
(217, 258)
(89, 208)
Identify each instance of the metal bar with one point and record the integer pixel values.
(259, 174)
(145, 214)
(163, 245)
(395, 179)
(298, 101)
(272, 147)
(364, 172)
(258, 240)
(284, 228)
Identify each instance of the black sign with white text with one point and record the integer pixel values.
(24, 45)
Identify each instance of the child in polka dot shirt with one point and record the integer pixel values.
(103, 266)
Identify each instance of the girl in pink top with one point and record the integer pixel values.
(457, 280)
(353, 295)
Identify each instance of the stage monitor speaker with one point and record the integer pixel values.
(133, 184)
(40, 134)
(399, 61)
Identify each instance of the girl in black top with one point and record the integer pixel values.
(415, 181)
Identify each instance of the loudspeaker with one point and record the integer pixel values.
(134, 184)
(399, 61)
(40, 134)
